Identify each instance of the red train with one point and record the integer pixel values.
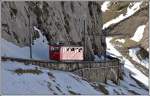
(54, 52)
(58, 52)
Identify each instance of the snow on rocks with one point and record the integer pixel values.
(48, 82)
(99, 58)
(133, 54)
(105, 5)
(120, 40)
(130, 12)
(147, 49)
(127, 64)
(138, 35)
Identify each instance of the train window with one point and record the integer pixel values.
(76, 50)
(52, 48)
(80, 49)
(55, 49)
(67, 49)
(72, 49)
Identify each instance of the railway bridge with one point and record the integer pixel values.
(89, 70)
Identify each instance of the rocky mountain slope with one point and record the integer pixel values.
(58, 21)
(124, 27)
(128, 26)
(129, 30)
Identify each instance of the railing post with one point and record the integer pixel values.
(118, 71)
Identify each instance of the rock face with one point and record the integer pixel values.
(59, 21)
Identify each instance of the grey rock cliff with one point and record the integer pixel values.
(58, 21)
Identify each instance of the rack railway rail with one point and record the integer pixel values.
(91, 70)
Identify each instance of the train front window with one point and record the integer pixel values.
(55, 49)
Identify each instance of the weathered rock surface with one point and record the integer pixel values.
(59, 21)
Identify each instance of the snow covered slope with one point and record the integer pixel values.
(29, 81)
(9, 49)
(39, 49)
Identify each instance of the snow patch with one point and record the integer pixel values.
(147, 49)
(105, 5)
(120, 40)
(138, 35)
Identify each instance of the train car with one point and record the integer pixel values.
(59, 52)
(54, 52)
(70, 53)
